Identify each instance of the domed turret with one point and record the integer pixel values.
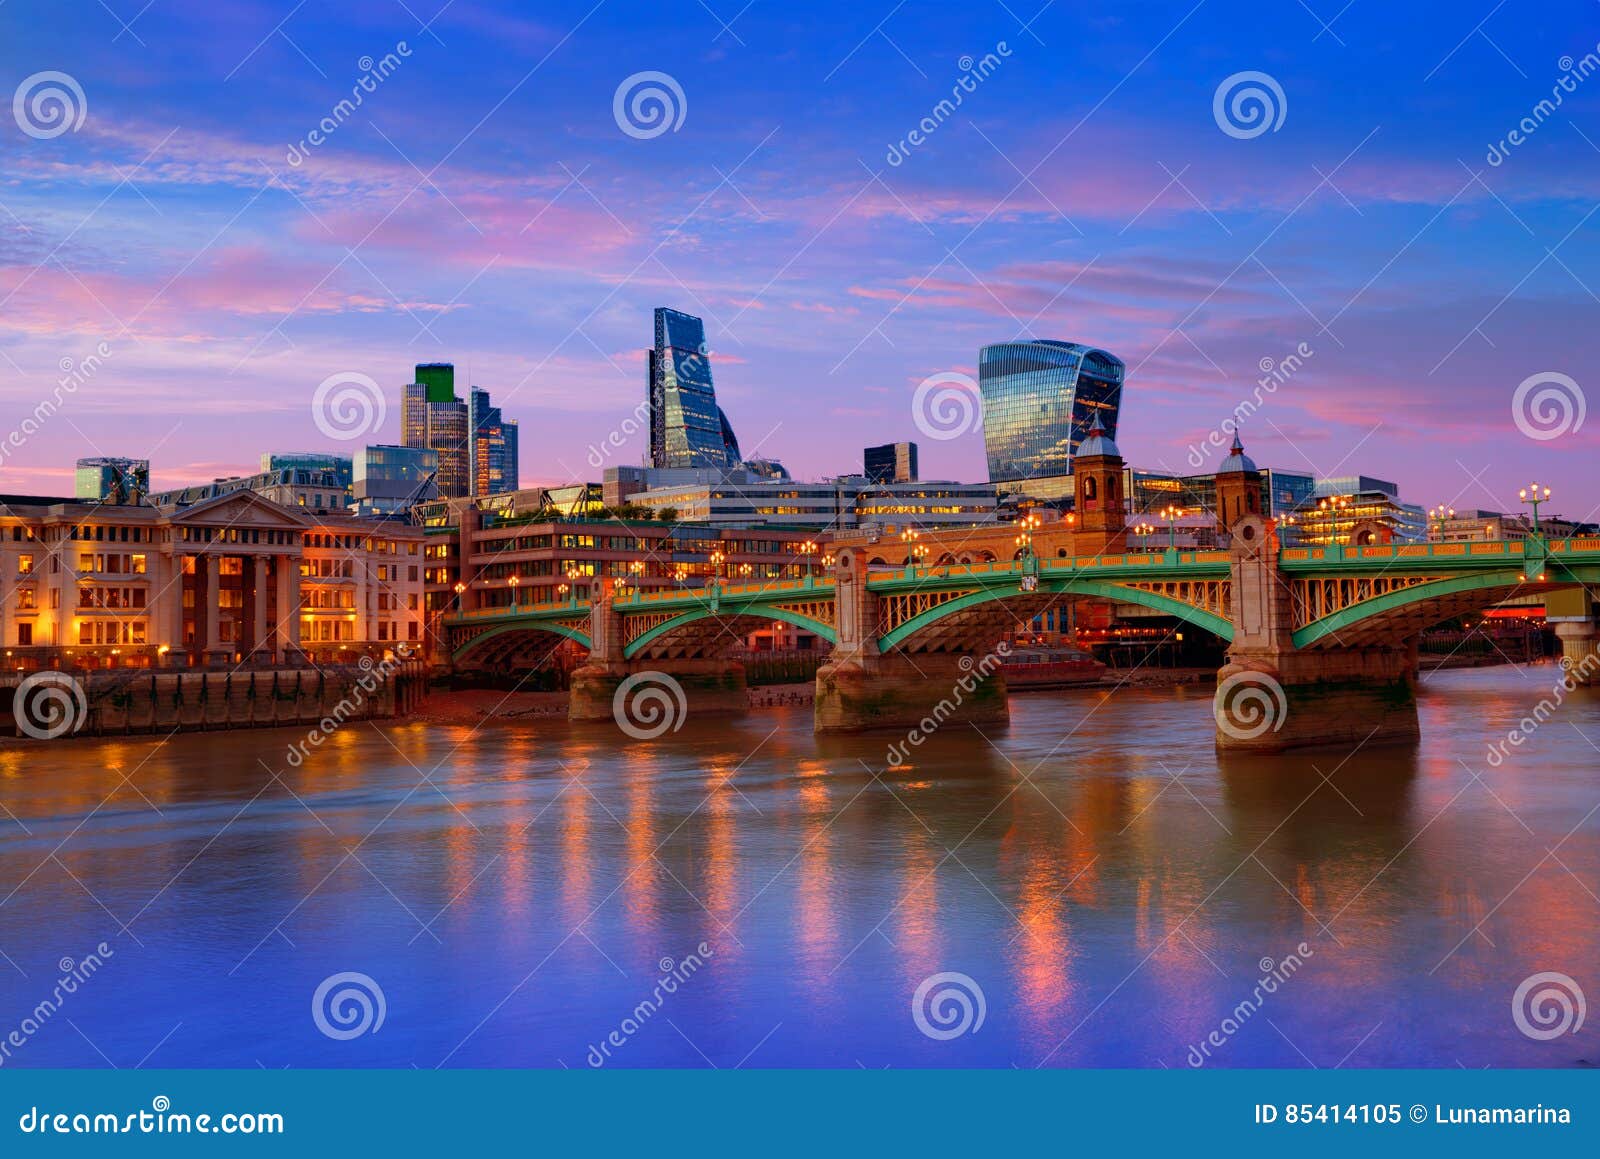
(1237, 461)
(1098, 443)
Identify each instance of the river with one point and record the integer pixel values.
(1096, 886)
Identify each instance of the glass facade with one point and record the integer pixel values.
(112, 480)
(340, 465)
(389, 479)
(891, 463)
(1040, 400)
(432, 417)
(493, 453)
(687, 428)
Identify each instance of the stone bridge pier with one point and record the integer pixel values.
(605, 686)
(1273, 696)
(1572, 612)
(861, 687)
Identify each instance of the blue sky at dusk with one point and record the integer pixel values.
(483, 206)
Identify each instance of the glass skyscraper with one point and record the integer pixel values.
(493, 453)
(1040, 400)
(432, 416)
(687, 428)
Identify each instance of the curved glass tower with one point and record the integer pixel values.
(1040, 400)
(687, 428)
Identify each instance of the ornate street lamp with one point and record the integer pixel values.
(513, 581)
(1172, 513)
(1441, 516)
(1532, 496)
(1144, 529)
(807, 550)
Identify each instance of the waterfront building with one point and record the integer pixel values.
(234, 578)
(1040, 400)
(687, 427)
(390, 480)
(847, 502)
(890, 463)
(1477, 525)
(112, 480)
(1340, 506)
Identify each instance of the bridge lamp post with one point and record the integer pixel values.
(716, 565)
(1172, 513)
(827, 560)
(513, 582)
(1441, 516)
(1533, 497)
(562, 590)
(1334, 507)
(1145, 530)
(461, 590)
(807, 550)
(909, 537)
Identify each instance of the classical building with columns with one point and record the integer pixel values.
(234, 579)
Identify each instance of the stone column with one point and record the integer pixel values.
(212, 599)
(260, 629)
(291, 611)
(1580, 651)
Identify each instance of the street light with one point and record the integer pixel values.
(1024, 544)
(1172, 513)
(1441, 515)
(1146, 530)
(909, 537)
(513, 581)
(807, 550)
(1531, 495)
(716, 563)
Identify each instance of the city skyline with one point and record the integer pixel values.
(1108, 207)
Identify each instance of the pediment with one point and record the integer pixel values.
(241, 509)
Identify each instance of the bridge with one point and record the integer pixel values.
(1321, 639)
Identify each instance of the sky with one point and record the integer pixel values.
(183, 245)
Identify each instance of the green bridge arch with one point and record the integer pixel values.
(694, 615)
(1217, 625)
(524, 624)
(1358, 613)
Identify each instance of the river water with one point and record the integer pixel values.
(1114, 891)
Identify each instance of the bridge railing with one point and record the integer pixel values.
(549, 607)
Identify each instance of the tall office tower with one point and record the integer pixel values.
(432, 416)
(890, 463)
(1040, 400)
(112, 480)
(512, 470)
(493, 465)
(687, 428)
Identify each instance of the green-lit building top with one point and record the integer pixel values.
(439, 378)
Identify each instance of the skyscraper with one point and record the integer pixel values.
(432, 416)
(687, 428)
(1040, 400)
(493, 453)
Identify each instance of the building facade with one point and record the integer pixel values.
(1040, 400)
(111, 480)
(389, 480)
(890, 463)
(493, 451)
(233, 579)
(432, 416)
